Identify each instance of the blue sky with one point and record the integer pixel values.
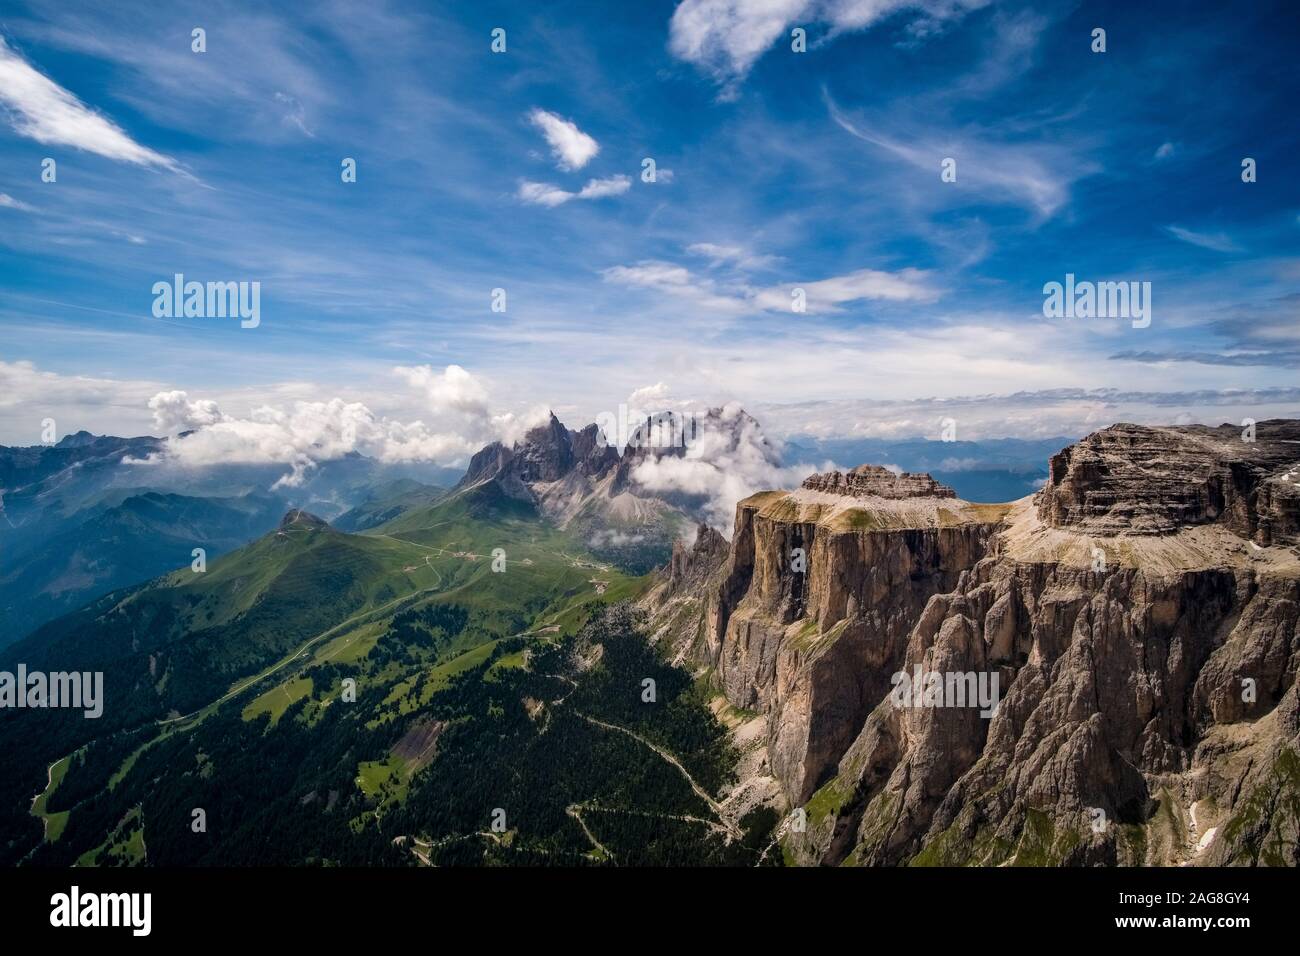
(777, 170)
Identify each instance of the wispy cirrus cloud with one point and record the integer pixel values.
(9, 202)
(726, 37)
(1214, 241)
(737, 295)
(1035, 175)
(730, 254)
(830, 294)
(42, 110)
(547, 194)
(571, 147)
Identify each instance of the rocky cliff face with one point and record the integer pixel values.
(872, 481)
(1136, 623)
(1134, 480)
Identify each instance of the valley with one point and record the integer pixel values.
(460, 680)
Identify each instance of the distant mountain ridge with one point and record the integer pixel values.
(93, 513)
(582, 482)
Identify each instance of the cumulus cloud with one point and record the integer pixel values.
(173, 412)
(726, 37)
(300, 436)
(610, 186)
(452, 389)
(672, 279)
(309, 432)
(655, 395)
(614, 538)
(40, 109)
(571, 147)
(546, 194)
(728, 459)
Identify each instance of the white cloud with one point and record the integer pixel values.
(545, 194)
(1035, 175)
(1165, 151)
(729, 459)
(827, 295)
(300, 436)
(1217, 241)
(651, 400)
(9, 202)
(31, 394)
(173, 412)
(726, 37)
(295, 114)
(672, 279)
(729, 254)
(647, 396)
(1041, 413)
(610, 186)
(821, 296)
(42, 110)
(453, 389)
(308, 432)
(571, 147)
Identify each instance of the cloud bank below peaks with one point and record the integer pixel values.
(728, 460)
(307, 433)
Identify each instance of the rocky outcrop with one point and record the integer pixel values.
(691, 565)
(1132, 479)
(811, 613)
(1137, 622)
(873, 481)
(547, 453)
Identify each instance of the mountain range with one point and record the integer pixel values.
(556, 660)
(91, 514)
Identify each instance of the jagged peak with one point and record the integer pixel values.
(692, 561)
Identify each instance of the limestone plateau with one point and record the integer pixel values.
(1140, 611)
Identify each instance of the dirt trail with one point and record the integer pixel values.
(575, 810)
(733, 831)
(49, 781)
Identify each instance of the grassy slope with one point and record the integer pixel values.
(317, 598)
